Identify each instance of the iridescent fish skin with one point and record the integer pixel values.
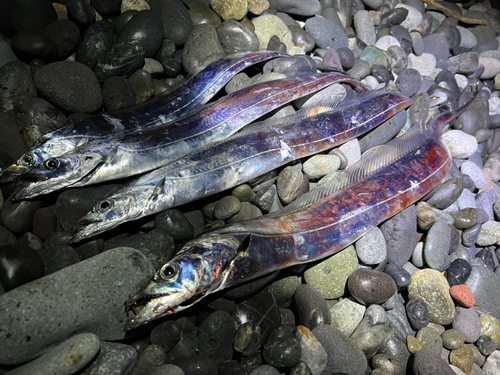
(135, 154)
(181, 100)
(377, 187)
(256, 150)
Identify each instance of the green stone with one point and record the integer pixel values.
(346, 315)
(453, 339)
(269, 25)
(413, 344)
(375, 56)
(490, 326)
(433, 288)
(200, 13)
(463, 358)
(430, 339)
(329, 277)
(284, 289)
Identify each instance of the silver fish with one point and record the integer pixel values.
(256, 150)
(132, 155)
(181, 100)
(372, 190)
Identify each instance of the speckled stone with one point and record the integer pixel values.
(371, 248)
(430, 339)
(283, 290)
(437, 246)
(268, 25)
(313, 352)
(468, 322)
(463, 358)
(426, 363)
(490, 326)
(330, 276)
(326, 33)
(489, 234)
(346, 315)
(369, 286)
(461, 145)
(230, 9)
(486, 345)
(433, 288)
(400, 233)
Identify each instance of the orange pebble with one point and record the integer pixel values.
(463, 295)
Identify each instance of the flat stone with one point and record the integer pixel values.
(437, 246)
(371, 248)
(484, 284)
(346, 315)
(433, 288)
(326, 33)
(461, 145)
(489, 234)
(268, 25)
(400, 234)
(103, 283)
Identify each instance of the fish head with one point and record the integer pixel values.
(201, 268)
(26, 162)
(58, 172)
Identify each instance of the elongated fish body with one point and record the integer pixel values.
(128, 156)
(256, 150)
(380, 185)
(181, 100)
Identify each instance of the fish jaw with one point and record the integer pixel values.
(24, 164)
(125, 205)
(59, 172)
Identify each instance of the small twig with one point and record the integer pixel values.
(455, 15)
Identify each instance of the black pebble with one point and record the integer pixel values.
(117, 92)
(312, 309)
(282, 352)
(18, 15)
(59, 257)
(166, 335)
(458, 272)
(487, 256)
(401, 277)
(175, 18)
(81, 13)
(187, 344)
(29, 44)
(381, 73)
(16, 83)
(123, 18)
(171, 68)
(276, 45)
(197, 365)
(145, 27)
(392, 17)
(65, 35)
(247, 339)
(19, 265)
(166, 51)
(122, 60)
(44, 222)
(174, 222)
(418, 315)
(95, 42)
(6, 236)
(486, 345)
(107, 8)
(216, 335)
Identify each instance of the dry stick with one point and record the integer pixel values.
(455, 15)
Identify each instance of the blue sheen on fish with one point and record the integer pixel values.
(179, 101)
(131, 155)
(386, 180)
(257, 149)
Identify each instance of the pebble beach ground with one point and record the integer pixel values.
(420, 294)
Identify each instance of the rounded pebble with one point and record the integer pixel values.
(369, 286)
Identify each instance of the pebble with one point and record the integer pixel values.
(492, 363)
(424, 64)
(19, 265)
(320, 165)
(216, 335)
(201, 48)
(166, 335)
(283, 290)
(465, 218)
(291, 184)
(400, 233)
(461, 145)
(346, 315)
(475, 172)
(343, 355)
(427, 362)
(466, 200)
(458, 272)
(282, 351)
(117, 92)
(468, 322)
(453, 339)
(175, 19)
(408, 81)
(400, 276)
(433, 288)
(113, 358)
(490, 326)
(227, 207)
(463, 295)
(326, 33)
(233, 36)
(247, 211)
(312, 309)
(329, 276)
(230, 10)
(94, 43)
(66, 358)
(268, 25)
(264, 370)
(463, 358)
(123, 59)
(371, 248)
(373, 331)
(369, 286)
(486, 345)
(489, 234)
(437, 246)
(413, 18)
(301, 8)
(386, 41)
(418, 315)
(365, 30)
(102, 282)
(484, 283)
(431, 339)
(247, 339)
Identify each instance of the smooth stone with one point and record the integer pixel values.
(175, 18)
(458, 272)
(417, 257)
(264, 370)
(363, 23)
(16, 16)
(123, 59)
(302, 8)
(431, 339)
(464, 63)
(467, 38)
(117, 93)
(291, 184)
(113, 359)
(475, 172)
(201, 48)
(17, 217)
(233, 36)
(30, 44)
(326, 33)
(268, 25)
(282, 351)
(329, 277)
(381, 74)
(413, 18)
(320, 165)
(465, 218)
(463, 295)
(247, 339)
(424, 64)
(413, 344)
(373, 331)
(400, 276)
(490, 326)
(303, 38)
(146, 27)
(418, 315)
(468, 322)
(453, 339)
(486, 345)
(437, 246)
(369, 286)
(102, 282)
(343, 355)
(19, 265)
(66, 358)
(142, 82)
(166, 335)
(491, 67)
(346, 57)
(466, 200)
(375, 56)
(469, 236)
(265, 198)
(489, 234)
(483, 283)
(426, 217)
(387, 41)
(311, 307)
(346, 315)
(399, 59)
(492, 364)
(427, 362)
(360, 69)
(371, 248)
(486, 201)
(247, 211)
(384, 132)
(474, 118)
(437, 45)
(400, 234)
(409, 81)
(94, 43)
(446, 194)
(284, 289)
(258, 7)
(244, 193)
(227, 207)
(462, 358)
(230, 10)
(433, 288)
(392, 17)
(184, 348)
(216, 335)
(197, 364)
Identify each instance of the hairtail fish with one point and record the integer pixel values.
(134, 154)
(179, 101)
(321, 223)
(257, 149)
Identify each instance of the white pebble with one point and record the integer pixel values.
(387, 41)
(461, 144)
(413, 18)
(466, 200)
(489, 234)
(424, 64)
(462, 81)
(370, 82)
(320, 165)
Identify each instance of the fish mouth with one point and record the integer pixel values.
(12, 173)
(89, 227)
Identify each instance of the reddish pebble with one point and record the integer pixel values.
(463, 295)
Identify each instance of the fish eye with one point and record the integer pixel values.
(169, 271)
(28, 160)
(105, 205)
(52, 163)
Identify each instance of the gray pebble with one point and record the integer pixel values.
(365, 30)
(318, 166)
(486, 345)
(201, 48)
(400, 234)
(113, 359)
(346, 315)
(399, 59)
(311, 307)
(151, 357)
(227, 207)
(475, 172)
(427, 362)
(468, 322)
(360, 69)
(409, 81)
(174, 223)
(291, 184)
(326, 33)
(371, 248)
(384, 132)
(103, 283)
(486, 201)
(446, 194)
(483, 283)
(437, 246)
(233, 36)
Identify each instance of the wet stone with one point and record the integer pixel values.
(413, 344)
(175, 19)
(329, 277)
(465, 218)
(113, 358)
(233, 36)
(400, 234)
(247, 339)
(447, 193)
(373, 331)
(19, 265)
(215, 336)
(175, 223)
(311, 307)
(430, 339)
(282, 351)
(369, 286)
(166, 335)
(418, 315)
(94, 43)
(123, 59)
(145, 27)
(468, 322)
(437, 246)
(433, 288)
(458, 272)
(400, 276)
